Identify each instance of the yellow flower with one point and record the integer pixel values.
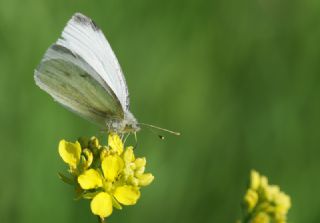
(90, 179)
(115, 143)
(70, 153)
(109, 175)
(127, 195)
(101, 205)
(265, 203)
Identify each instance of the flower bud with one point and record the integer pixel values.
(145, 179)
(140, 162)
(128, 155)
(93, 143)
(254, 180)
(88, 158)
(251, 199)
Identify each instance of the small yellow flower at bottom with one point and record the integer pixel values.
(265, 203)
(90, 179)
(101, 205)
(127, 195)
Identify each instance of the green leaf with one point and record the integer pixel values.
(66, 179)
(78, 192)
(90, 195)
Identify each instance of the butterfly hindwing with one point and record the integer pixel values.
(71, 81)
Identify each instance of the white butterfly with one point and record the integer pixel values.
(81, 72)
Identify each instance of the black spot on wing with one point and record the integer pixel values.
(84, 20)
(63, 49)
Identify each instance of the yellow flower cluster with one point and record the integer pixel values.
(265, 203)
(110, 176)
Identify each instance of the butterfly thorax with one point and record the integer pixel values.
(128, 124)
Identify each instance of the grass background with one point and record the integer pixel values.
(239, 79)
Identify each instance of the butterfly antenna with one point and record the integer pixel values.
(160, 136)
(159, 128)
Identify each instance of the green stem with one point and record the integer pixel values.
(246, 219)
(101, 220)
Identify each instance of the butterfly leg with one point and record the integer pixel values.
(136, 138)
(125, 138)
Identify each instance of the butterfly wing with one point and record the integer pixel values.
(71, 81)
(83, 37)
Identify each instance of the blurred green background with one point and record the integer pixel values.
(239, 79)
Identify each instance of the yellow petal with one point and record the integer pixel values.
(128, 155)
(145, 179)
(115, 143)
(70, 152)
(101, 205)
(127, 195)
(112, 166)
(90, 179)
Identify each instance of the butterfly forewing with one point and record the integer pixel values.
(83, 37)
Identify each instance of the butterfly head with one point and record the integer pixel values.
(128, 124)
